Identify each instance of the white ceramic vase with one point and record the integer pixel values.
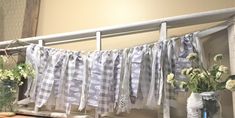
(194, 105)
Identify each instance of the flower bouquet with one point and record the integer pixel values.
(203, 83)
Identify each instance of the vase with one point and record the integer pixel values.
(194, 105)
(8, 95)
(211, 105)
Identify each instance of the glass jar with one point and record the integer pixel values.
(211, 105)
(8, 95)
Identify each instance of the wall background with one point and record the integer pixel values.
(11, 19)
(59, 16)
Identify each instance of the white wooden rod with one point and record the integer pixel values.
(98, 41)
(231, 41)
(41, 42)
(163, 31)
(176, 21)
(214, 29)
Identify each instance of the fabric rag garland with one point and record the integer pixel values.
(118, 80)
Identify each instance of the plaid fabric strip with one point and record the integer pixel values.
(59, 83)
(95, 81)
(87, 75)
(76, 73)
(45, 88)
(105, 102)
(74, 80)
(136, 61)
(43, 55)
(53, 73)
(168, 67)
(70, 76)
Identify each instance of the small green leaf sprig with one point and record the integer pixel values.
(15, 75)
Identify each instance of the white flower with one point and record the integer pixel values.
(218, 57)
(170, 78)
(223, 69)
(182, 85)
(183, 72)
(189, 71)
(201, 75)
(218, 75)
(21, 83)
(197, 70)
(230, 85)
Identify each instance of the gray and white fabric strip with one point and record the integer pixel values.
(75, 74)
(117, 75)
(95, 80)
(105, 104)
(136, 62)
(152, 100)
(124, 102)
(32, 57)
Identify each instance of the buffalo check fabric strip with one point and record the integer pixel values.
(105, 101)
(47, 81)
(74, 80)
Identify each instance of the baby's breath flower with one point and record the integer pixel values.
(183, 85)
(192, 56)
(218, 75)
(183, 72)
(189, 70)
(197, 70)
(223, 69)
(218, 57)
(230, 85)
(21, 83)
(170, 78)
(201, 75)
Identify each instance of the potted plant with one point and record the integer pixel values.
(10, 80)
(204, 84)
